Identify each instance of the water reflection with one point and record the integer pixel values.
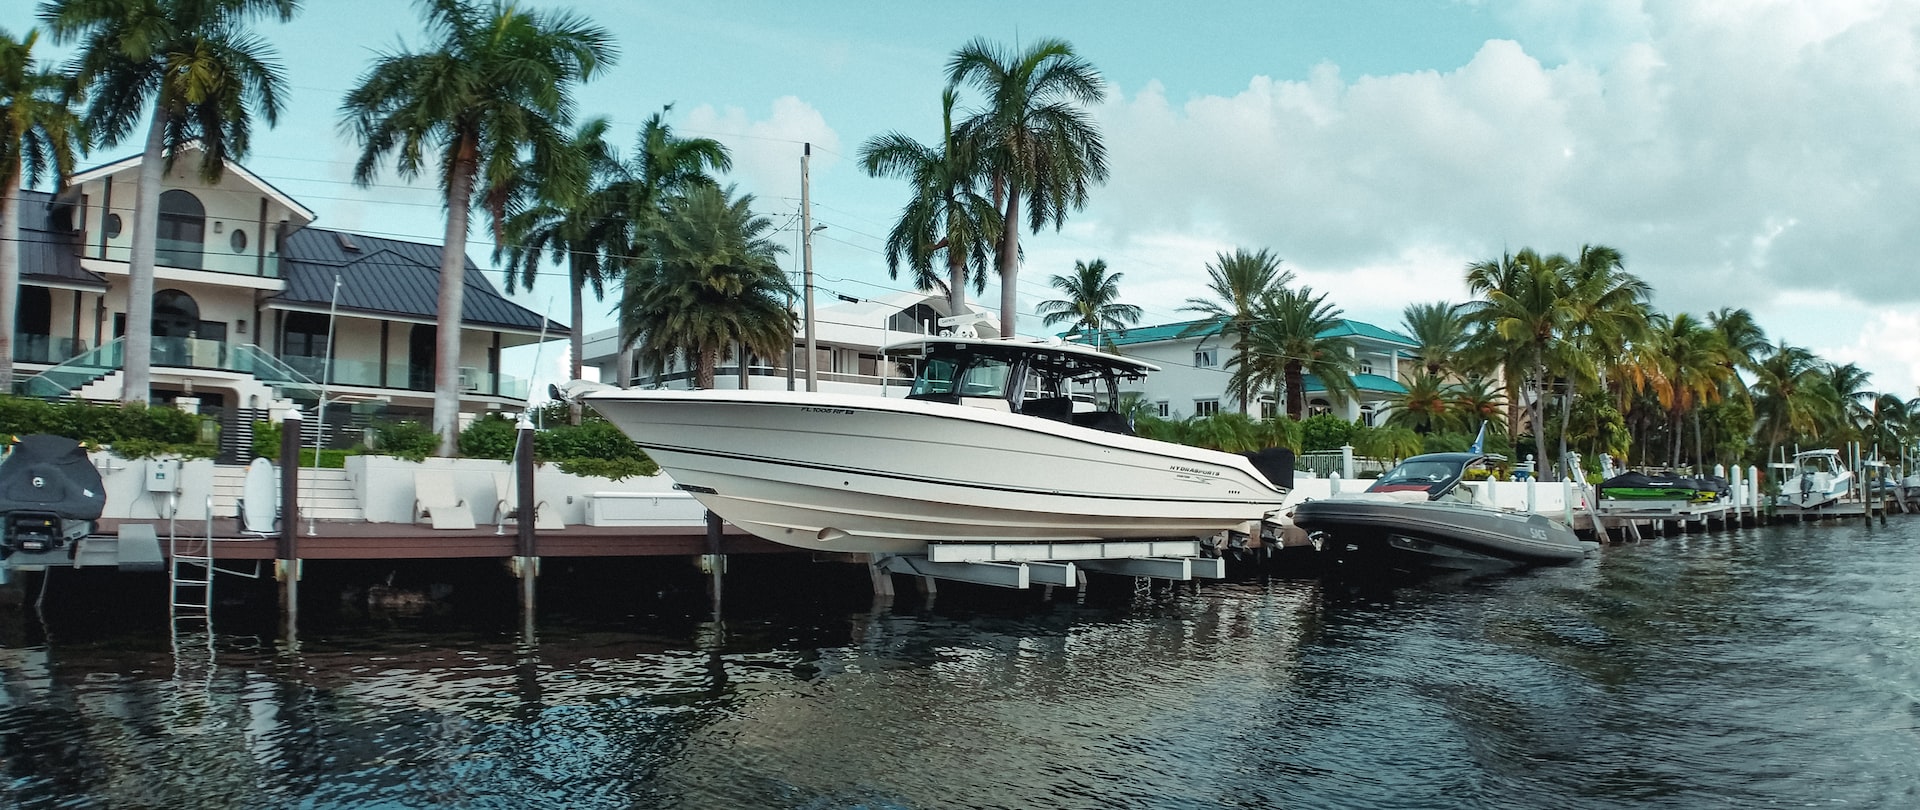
(1741, 668)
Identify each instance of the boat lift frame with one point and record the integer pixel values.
(1023, 565)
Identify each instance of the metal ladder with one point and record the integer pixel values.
(191, 572)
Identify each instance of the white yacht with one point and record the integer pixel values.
(1814, 479)
(999, 441)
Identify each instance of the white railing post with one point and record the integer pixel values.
(1346, 461)
(1333, 484)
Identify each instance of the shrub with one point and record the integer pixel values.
(266, 439)
(614, 468)
(490, 436)
(405, 439)
(592, 439)
(1325, 432)
(129, 428)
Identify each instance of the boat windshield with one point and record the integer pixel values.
(1421, 475)
(962, 375)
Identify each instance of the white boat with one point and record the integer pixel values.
(998, 442)
(1814, 479)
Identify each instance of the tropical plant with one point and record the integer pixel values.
(1607, 311)
(1424, 407)
(1039, 145)
(1092, 302)
(1847, 407)
(1238, 282)
(496, 84)
(564, 216)
(1390, 442)
(1787, 395)
(1474, 402)
(711, 281)
(39, 134)
(1291, 333)
(1688, 371)
(1521, 320)
(946, 215)
(203, 75)
(1441, 334)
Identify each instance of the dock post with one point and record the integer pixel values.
(714, 563)
(526, 561)
(286, 564)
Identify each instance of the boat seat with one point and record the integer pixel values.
(1059, 408)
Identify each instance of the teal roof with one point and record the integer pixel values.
(1172, 331)
(1367, 383)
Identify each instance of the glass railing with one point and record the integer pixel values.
(46, 348)
(300, 375)
(74, 372)
(216, 261)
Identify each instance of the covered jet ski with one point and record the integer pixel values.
(50, 494)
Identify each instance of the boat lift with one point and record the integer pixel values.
(1022, 565)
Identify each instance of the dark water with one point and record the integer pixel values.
(1774, 667)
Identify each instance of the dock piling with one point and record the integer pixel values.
(286, 566)
(527, 561)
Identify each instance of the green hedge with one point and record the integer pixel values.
(133, 430)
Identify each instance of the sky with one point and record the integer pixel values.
(1762, 154)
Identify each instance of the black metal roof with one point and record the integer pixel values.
(390, 277)
(50, 251)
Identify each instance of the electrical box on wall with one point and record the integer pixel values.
(163, 475)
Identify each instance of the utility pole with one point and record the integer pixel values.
(806, 260)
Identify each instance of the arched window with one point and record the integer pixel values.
(1319, 406)
(183, 230)
(176, 321)
(1367, 414)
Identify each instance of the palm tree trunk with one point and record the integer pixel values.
(137, 384)
(1699, 449)
(1538, 414)
(9, 271)
(453, 289)
(1296, 392)
(706, 367)
(577, 338)
(1010, 262)
(1673, 453)
(956, 280)
(1566, 416)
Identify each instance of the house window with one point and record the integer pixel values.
(1366, 366)
(183, 230)
(1206, 407)
(1366, 414)
(1319, 406)
(1163, 408)
(1205, 358)
(1267, 409)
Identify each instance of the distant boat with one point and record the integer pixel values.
(997, 442)
(1417, 517)
(1815, 478)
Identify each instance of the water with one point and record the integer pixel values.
(1777, 667)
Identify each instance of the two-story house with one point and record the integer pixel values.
(1194, 374)
(245, 317)
(848, 335)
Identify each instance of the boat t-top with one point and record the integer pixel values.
(997, 441)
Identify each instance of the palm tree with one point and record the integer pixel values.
(1848, 398)
(1522, 318)
(1425, 406)
(1687, 373)
(565, 214)
(1441, 334)
(38, 134)
(497, 82)
(1238, 282)
(1607, 311)
(1786, 395)
(1039, 143)
(1092, 302)
(203, 74)
(946, 214)
(663, 166)
(1475, 401)
(1289, 332)
(712, 280)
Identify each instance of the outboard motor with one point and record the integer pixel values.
(50, 495)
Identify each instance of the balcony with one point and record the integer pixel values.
(46, 348)
(212, 261)
(366, 374)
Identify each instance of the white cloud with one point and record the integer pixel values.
(1738, 156)
(766, 150)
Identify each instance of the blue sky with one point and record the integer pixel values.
(1759, 155)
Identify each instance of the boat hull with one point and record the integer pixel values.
(1382, 536)
(867, 474)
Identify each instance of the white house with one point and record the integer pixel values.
(243, 303)
(1194, 374)
(848, 334)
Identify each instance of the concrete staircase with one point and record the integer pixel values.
(324, 494)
